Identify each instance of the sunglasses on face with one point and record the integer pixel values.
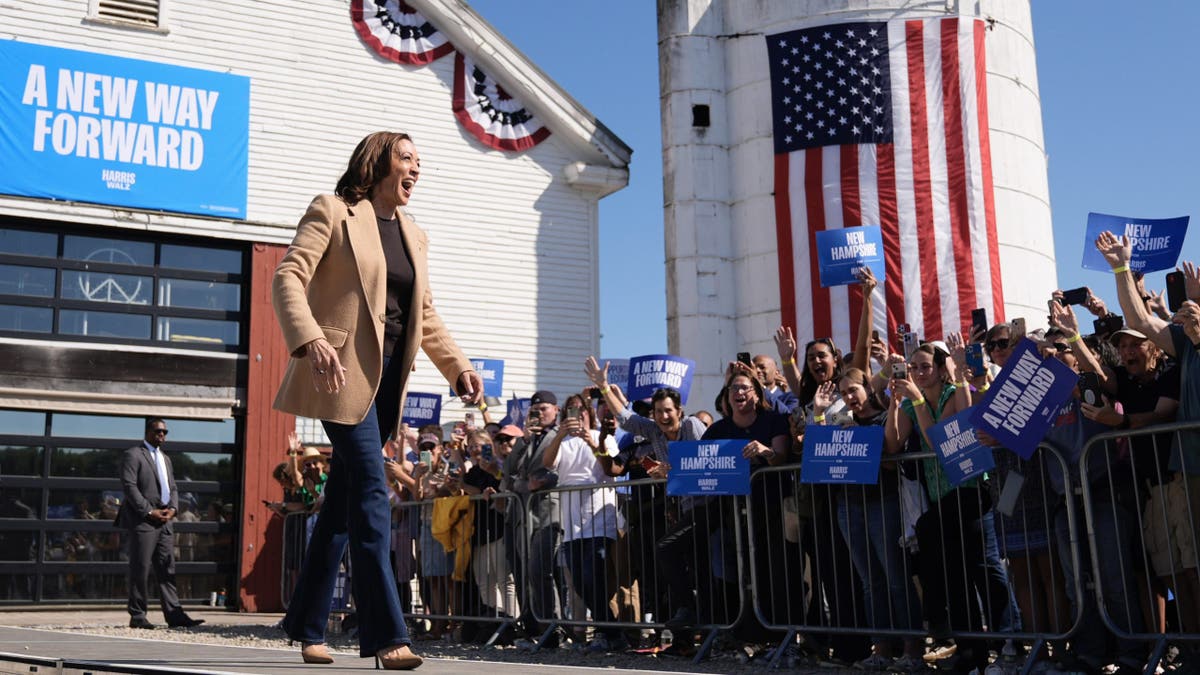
(993, 345)
(159, 431)
(1062, 346)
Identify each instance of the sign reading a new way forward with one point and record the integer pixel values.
(88, 127)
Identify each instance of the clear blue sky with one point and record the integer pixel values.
(1120, 89)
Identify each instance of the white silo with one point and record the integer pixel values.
(719, 161)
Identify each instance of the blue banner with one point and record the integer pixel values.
(708, 468)
(618, 372)
(1022, 404)
(421, 409)
(962, 455)
(1156, 242)
(650, 373)
(841, 454)
(491, 371)
(841, 252)
(89, 127)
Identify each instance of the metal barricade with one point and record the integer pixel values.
(452, 564)
(1143, 528)
(622, 558)
(296, 529)
(838, 564)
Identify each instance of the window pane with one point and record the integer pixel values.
(85, 462)
(103, 546)
(20, 460)
(22, 422)
(96, 249)
(16, 587)
(37, 282)
(103, 324)
(122, 289)
(85, 503)
(201, 259)
(199, 294)
(202, 466)
(201, 431)
(26, 319)
(20, 502)
(83, 586)
(132, 429)
(201, 331)
(26, 242)
(18, 547)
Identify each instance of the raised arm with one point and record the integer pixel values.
(785, 342)
(1118, 252)
(862, 346)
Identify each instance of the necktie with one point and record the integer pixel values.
(164, 485)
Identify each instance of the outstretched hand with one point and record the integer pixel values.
(1117, 251)
(598, 375)
(785, 342)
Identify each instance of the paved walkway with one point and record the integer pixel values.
(157, 652)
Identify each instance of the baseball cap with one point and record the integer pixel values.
(510, 430)
(1116, 336)
(543, 396)
(430, 439)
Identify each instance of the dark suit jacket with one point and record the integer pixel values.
(139, 478)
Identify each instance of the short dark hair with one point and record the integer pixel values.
(151, 421)
(369, 164)
(665, 393)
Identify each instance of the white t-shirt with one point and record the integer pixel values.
(586, 513)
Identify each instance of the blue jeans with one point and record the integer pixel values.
(356, 509)
(871, 527)
(586, 558)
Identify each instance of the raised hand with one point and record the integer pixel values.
(1188, 316)
(823, 397)
(867, 278)
(785, 342)
(598, 375)
(958, 352)
(1191, 281)
(1116, 251)
(1064, 317)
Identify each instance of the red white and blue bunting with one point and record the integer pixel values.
(398, 32)
(491, 114)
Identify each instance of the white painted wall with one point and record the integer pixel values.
(513, 246)
(722, 269)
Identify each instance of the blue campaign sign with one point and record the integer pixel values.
(841, 252)
(89, 127)
(962, 455)
(707, 468)
(1022, 404)
(421, 409)
(1156, 242)
(491, 371)
(618, 372)
(517, 409)
(652, 372)
(835, 454)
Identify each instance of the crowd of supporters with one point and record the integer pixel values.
(543, 524)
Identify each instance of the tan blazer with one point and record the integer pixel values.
(332, 283)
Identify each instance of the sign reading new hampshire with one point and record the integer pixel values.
(708, 468)
(1156, 243)
(90, 127)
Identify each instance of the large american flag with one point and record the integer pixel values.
(886, 123)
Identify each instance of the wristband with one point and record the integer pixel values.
(881, 376)
(985, 387)
(1122, 268)
(482, 406)
(819, 419)
(604, 389)
(790, 362)
(918, 401)
(961, 384)
(1073, 338)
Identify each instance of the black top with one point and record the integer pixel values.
(1151, 453)
(766, 426)
(489, 523)
(400, 280)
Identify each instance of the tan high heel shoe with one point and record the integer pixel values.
(315, 652)
(397, 657)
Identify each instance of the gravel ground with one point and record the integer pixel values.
(265, 635)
